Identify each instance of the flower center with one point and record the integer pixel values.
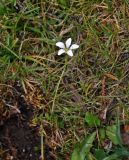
(66, 49)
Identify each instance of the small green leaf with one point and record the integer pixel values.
(14, 2)
(3, 9)
(111, 132)
(114, 156)
(61, 123)
(92, 120)
(100, 154)
(118, 154)
(90, 157)
(75, 154)
(63, 2)
(102, 133)
(83, 148)
(122, 151)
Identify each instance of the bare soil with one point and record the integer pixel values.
(18, 139)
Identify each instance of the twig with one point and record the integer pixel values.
(42, 144)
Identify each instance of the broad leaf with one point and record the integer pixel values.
(102, 133)
(83, 148)
(100, 154)
(92, 120)
(113, 156)
(111, 132)
(119, 153)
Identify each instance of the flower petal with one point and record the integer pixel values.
(60, 45)
(68, 42)
(61, 51)
(70, 53)
(74, 46)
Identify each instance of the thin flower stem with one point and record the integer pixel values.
(58, 84)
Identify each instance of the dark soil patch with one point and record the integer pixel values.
(18, 140)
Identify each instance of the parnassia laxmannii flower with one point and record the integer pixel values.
(67, 47)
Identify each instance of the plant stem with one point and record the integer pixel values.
(58, 84)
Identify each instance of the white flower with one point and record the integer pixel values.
(67, 47)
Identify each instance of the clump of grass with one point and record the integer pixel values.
(29, 31)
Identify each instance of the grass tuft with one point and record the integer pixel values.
(95, 79)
